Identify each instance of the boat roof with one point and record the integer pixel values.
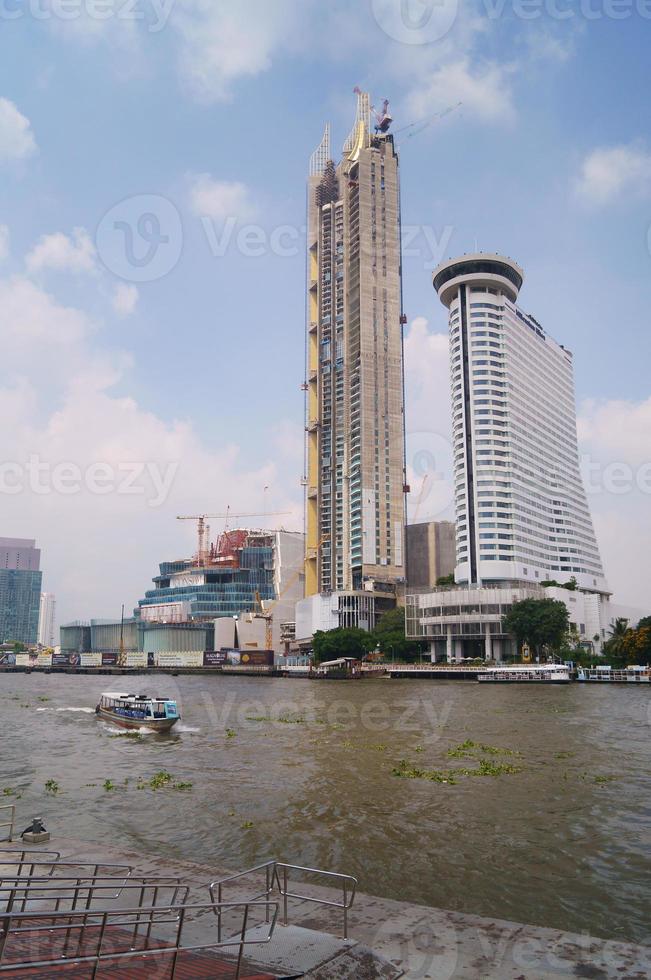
(118, 695)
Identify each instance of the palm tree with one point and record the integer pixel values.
(615, 642)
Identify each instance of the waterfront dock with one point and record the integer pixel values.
(388, 939)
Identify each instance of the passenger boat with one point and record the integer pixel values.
(526, 674)
(605, 674)
(138, 711)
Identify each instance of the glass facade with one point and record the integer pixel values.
(20, 599)
(208, 593)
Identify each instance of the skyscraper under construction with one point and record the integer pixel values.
(355, 479)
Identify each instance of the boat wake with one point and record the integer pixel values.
(85, 711)
(187, 729)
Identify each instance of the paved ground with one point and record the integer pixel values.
(391, 939)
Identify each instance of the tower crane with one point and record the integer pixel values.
(203, 529)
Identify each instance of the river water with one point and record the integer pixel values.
(304, 771)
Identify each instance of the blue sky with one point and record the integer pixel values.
(208, 123)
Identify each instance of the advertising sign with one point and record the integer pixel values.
(66, 659)
(109, 659)
(134, 659)
(214, 658)
(7, 659)
(257, 658)
(91, 660)
(188, 658)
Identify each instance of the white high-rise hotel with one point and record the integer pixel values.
(522, 516)
(521, 507)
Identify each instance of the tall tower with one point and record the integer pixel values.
(354, 362)
(521, 507)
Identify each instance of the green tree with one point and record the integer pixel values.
(389, 635)
(445, 579)
(340, 642)
(540, 623)
(614, 645)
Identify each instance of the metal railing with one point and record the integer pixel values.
(26, 860)
(94, 928)
(277, 874)
(7, 810)
(71, 895)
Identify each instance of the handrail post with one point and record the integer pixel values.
(240, 954)
(98, 958)
(345, 910)
(285, 919)
(179, 940)
(268, 892)
(219, 912)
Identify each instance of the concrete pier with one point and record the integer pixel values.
(389, 939)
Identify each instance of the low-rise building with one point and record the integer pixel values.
(464, 622)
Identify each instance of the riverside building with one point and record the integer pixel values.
(522, 517)
(355, 449)
(20, 590)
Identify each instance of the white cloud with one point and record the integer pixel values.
(484, 90)
(429, 426)
(62, 253)
(223, 42)
(125, 298)
(608, 172)
(68, 413)
(16, 136)
(220, 199)
(4, 243)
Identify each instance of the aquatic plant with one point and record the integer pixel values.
(51, 786)
(468, 749)
(108, 785)
(230, 733)
(160, 779)
(247, 824)
(405, 770)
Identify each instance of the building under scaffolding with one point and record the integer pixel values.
(245, 571)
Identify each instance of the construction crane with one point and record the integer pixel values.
(422, 124)
(420, 498)
(203, 529)
(267, 613)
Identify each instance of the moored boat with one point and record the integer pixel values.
(138, 711)
(604, 674)
(526, 674)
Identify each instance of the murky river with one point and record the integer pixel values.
(557, 835)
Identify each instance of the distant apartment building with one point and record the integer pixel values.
(20, 590)
(522, 517)
(431, 551)
(354, 369)
(46, 619)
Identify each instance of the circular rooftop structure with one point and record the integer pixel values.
(477, 269)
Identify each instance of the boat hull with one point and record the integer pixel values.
(520, 680)
(153, 724)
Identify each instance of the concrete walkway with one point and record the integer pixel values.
(391, 939)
